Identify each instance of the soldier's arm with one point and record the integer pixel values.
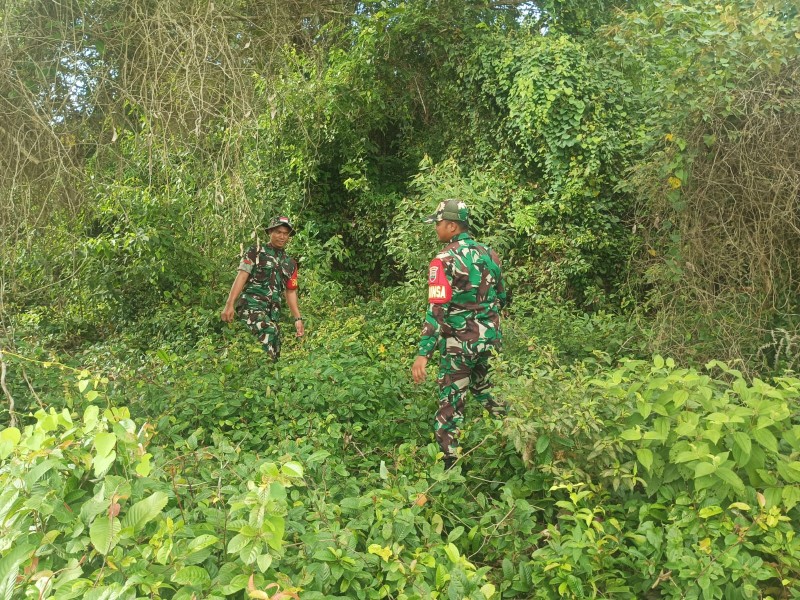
(294, 308)
(246, 266)
(439, 294)
(236, 290)
(440, 291)
(430, 331)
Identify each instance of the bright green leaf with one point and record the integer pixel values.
(292, 469)
(104, 443)
(645, 456)
(194, 576)
(145, 511)
(104, 533)
(704, 468)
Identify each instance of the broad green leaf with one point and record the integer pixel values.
(264, 561)
(542, 444)
(49, 537)
(384, 473)
(741, 447)
(104, 533)
(442, 575)
(6, 448)
(680, 397)
(732, 479)
(70, 572)
(457, 590)
(704, 468)
(455, 534)
(718, 417)
(277, 491)
(8, 497)
(318, 457)
(201, 542)
(645, 456)
(104, 443)
(789, 470)
(713, 433)
(11, 434)
(194, 576)
(90, 416)
(686, 456)
(145, 511)
(438, 523)
(452, 553)
(791, 496)
(766, 439)
(632, 434)
(37, 472)
(143, 467)
(103, 463)
(237, 583)
(644, 408)
(277, 525)
(488, 590)
(508, 569)
(702, 483)
(9, 569)
(163, 554)
(292, 469)
(250, 553)
(709, 511)
(687, 424)
(237, 542)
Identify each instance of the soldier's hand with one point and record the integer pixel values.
(299, 328)
(418, 372)
(227, 314)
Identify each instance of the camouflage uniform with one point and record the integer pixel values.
(271, 272)
(465, 294)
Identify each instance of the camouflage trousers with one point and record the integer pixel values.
(457, 374)
(264, 325)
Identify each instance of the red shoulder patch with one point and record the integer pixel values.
(439, 289)
(292, 283)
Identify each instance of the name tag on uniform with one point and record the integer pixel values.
(439, 289)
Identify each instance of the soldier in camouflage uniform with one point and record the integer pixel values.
(266, 275)
(465, 295)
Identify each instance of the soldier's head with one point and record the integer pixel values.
(280, 230)
(451, 218)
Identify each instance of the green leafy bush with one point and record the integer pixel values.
(664, 478)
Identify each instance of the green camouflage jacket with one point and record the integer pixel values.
(272, 272)
(465, 295)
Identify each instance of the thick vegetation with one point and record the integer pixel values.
(634, 163)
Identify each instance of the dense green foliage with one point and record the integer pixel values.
(634, 163)
(321, 474)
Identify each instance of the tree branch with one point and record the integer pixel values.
(12, 421)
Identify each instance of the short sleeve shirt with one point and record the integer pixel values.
(271, 271)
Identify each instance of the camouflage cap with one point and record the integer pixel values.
(278, 221)
(450, 210)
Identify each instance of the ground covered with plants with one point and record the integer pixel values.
(636, 166)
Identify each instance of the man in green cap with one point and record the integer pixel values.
(465, 296)
(266, 275)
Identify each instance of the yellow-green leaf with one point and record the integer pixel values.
(383, 551)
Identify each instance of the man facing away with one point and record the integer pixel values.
(266, 275)
(465, 297)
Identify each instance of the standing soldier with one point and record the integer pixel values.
(266, 275)
(465, 295)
